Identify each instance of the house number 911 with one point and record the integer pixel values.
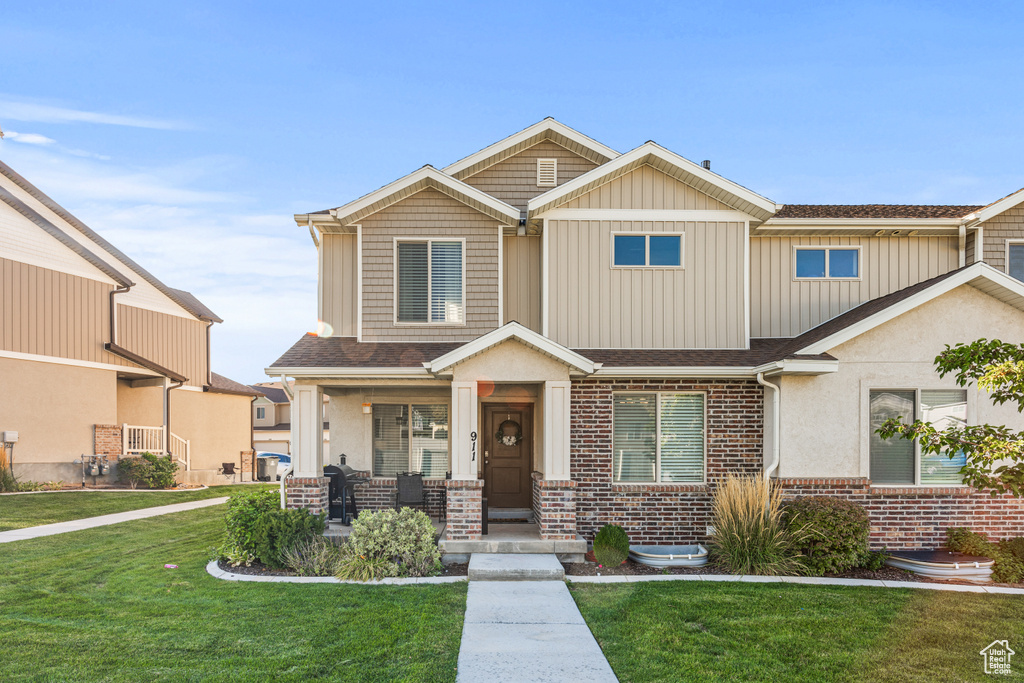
(472, 439)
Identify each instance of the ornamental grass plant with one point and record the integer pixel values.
(750, 534)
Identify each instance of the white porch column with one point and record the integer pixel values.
(307, 431)
(556, 429)
(465, 440)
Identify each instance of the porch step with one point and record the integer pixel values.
(509, 567)
(499, 515)
(513, 539)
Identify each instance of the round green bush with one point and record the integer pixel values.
(835, 533)
(611, 545)
(402, 542)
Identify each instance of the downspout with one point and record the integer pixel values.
(776, 419)
(209, 368)
(113, 312)
(962, 242)
(288, 470)
(167, 413)
(252, 436)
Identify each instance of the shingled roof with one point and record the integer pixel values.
(222, 385)
(874, 211)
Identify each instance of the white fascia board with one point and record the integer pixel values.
(678, 215)
(547, 124)
(994, 209)
(367, 373)
(798, 366)
(980, 270)
(655, 150)
(881, 223)
(512, 330)
(427, 172)
(675, 371)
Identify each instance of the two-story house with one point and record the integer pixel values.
(272, 419)
(601, 337)
(100, 358)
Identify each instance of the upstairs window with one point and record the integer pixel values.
(1015, 259)
(827, 263)
(655, 251)
(547, 172)
(261, 413)
(430, 282)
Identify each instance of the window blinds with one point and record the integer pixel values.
(634, 441)
(643, 453)
(390, 440)
(429, 440)
(412, 282)
(682, 437)
(944, 409)
(446, 282)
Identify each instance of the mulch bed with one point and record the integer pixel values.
(629, 567)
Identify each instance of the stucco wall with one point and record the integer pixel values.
(216, 424)
(825, 430)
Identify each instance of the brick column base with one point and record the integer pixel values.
(311, 493)
(106, 440)
(554, 507)
(465, 507)
(247, 465)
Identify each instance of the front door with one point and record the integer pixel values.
(508, 455)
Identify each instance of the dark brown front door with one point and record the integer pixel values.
(506, 466)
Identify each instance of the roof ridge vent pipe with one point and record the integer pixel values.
(770, 470)
(706, 164)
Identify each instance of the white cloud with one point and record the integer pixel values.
(44, 113)
(28, 138)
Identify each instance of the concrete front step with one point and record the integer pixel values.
(521, 567)
(513, 539)
(498, 515)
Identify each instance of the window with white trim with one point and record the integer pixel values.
(430, 287)
(900, 461)
(261, 413)
(1015, 259)
(410, 438)
(647, 250)
(547, 172)
(827, 263)
(658, 437)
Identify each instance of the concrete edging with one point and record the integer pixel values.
(216, 572)
(806, 580)
(106, 490)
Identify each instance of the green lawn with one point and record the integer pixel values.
(690, 631)
(20, 511)
(99, 605)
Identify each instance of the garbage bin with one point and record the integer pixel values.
(266, 467)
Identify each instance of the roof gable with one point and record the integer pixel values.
(577, 364)
(995, 208)
(669, 163)
(548, 129)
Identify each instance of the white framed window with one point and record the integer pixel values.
(647, 250)
(410, 437)
(900, 461)
(826, 263)
(430, 281)
(547, 172)
(261, 413)
(1015, 259)
(658, 437)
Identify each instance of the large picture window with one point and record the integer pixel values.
(899, 461)
(410, 438)
(658, 437)
(429, 282)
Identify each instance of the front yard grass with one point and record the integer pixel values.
(34, 509)
(692, 631)
(99, 605)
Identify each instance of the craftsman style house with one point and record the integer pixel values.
(100, 358)
(600, 337)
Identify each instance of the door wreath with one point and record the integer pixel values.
(509, 433)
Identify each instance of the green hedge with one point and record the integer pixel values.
(258, 529)
(151, 471)
(835, 537)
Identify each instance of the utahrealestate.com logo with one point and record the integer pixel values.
(997, 657)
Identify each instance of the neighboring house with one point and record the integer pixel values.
(601, 337)
(271, 419)
(98, 357)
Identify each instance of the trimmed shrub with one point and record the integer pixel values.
(836, 533)
(611, 546)
(244, 511)
(1008, 568)
(750, 534)
(317, 556)
(151, 471)
(403, 540)
(278, 530)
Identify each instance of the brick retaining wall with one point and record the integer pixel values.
(378, 494)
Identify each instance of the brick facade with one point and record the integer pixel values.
(247, 472)
(465, 508)
(379, 494)
(107, 441)
(307, 492)
(554, 508)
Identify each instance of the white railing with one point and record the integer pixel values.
(136, 439)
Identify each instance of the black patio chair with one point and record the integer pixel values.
(410, 491)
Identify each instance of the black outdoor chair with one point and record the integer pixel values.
(410, 490)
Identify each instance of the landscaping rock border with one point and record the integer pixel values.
(216, 572)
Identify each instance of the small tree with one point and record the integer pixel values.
(995, 453)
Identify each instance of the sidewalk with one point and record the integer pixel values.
(527, 631)
(104, 520)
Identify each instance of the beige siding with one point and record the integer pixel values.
(781, 306)
(1007, 225)
(522, 281)
(596, 306)
(177, 344)
(50, 313)
(429, 214)
(969, 250)
(338, 283)
(514, 180)
(645, 188)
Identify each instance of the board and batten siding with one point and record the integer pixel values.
(593, 305)
(338, 286)
(514, 180)
(523, 280)
(51, 313)
(782, 306)
(645, 188)
(176, 343)
(429, 214)
(998, 229)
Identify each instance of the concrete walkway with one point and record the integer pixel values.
(104, 520)
(527, 631)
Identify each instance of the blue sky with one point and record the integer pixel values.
(189, 133)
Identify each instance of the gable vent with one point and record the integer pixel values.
(547, 172)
